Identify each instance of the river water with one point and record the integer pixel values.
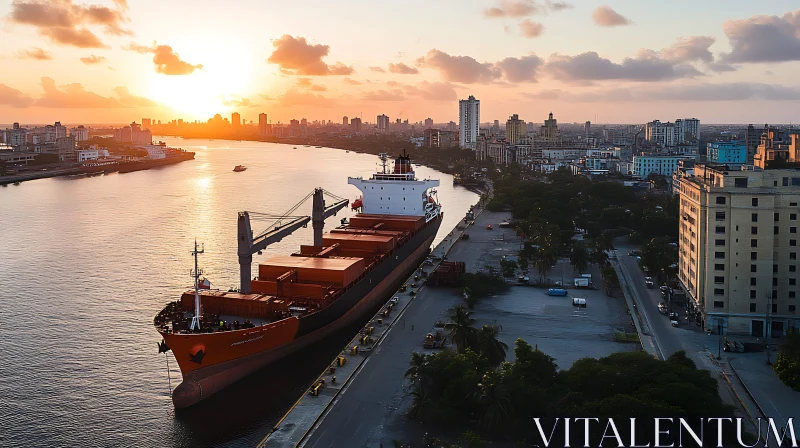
(86, 263)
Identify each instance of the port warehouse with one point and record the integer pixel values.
(316, 275)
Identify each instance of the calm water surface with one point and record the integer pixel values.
(85, 264)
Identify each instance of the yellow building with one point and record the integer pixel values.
(738, 248)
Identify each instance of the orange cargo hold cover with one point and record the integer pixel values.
(341, 271)
(363, 241)
(390, 222)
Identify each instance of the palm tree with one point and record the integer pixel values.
(461, 329)
(546, 257)
(493, 349)
(579, 257)
(496, 399)
(421, 402)
(419, 365)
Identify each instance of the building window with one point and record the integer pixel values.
(754, 255)
(774, 307)
(791, 294)
(754, 243)
(719, 291)
(752, 281)
(792, 282)
(721, 200)
(720, 216)
(774, 281)
(793, 216)
(774, 295)
(792, 268)
(740, 182)
(719, 242)
(792, 229)
(719, 255)
(754, 217)
(793, 242)
(752, 293)
(755, 202)
(777, 216)
(752, 307)
(792, 308)
(719, 267)
(719, 279)
(720, 229)
(776, 230)
(753, 268)
(774, 268)
(719, 304)
(753, 230)
(793, 255)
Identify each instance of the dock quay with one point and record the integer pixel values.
(294, 429)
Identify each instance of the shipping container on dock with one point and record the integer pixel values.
(447, 273)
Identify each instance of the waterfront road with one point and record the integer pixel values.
(370, 411)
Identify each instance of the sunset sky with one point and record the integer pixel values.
(722, 61)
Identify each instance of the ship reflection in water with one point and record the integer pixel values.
(81, 365)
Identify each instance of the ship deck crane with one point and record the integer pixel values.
(284, 226)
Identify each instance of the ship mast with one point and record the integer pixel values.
(196, 274)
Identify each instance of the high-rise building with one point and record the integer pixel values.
(515, 128)
(262, 123)
(469, 118)
(303, 122)
(738, 248)
(355, 125)
(752, 138)
(587, 128)
(428, 123)
(81, 134)
(146, 123)
(236, 119)
(669, 135)
(345, 121)
(383, 123)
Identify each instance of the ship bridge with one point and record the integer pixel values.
(397, 192)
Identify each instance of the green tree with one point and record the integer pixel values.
(545, 258)
(495, 398)
(508, 267)
(461, 328)
(419, 364)
(489, 346)
(787, 366)
(610, 279)
(579, 257)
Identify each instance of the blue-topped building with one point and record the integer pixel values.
(732, 152)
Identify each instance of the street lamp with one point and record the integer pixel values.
(719, 341)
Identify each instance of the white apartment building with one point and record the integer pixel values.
(669, 135)
(738, 248)
(87, 154)
(80, 133)
(644, 166)
(469, 118)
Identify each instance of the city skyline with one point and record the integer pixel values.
(620, 62)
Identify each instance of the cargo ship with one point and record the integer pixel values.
(219, 337)
(167, 156)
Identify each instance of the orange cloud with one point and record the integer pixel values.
(352, 82)
(74, 96)
(34, 53)
(295, 56)
(297, 98)
(13, 97)
(92, 59)
(64, 22)
(385, 95)
(460, 68)
(530, 28)
(305, 83)
(606, 16)
(166, 60)
(377, 69)
(238, 101)
(402, 69)
(127, 99)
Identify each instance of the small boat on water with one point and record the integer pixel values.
(347, 152)
(294, 147)
(239, 168)
(319, 146)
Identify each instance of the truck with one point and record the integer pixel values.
(524, 279)
(580, 303)
(581, 282)
(557, 292)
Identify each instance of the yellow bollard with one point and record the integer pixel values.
(342, 360)
(355, 350)
(370, 330)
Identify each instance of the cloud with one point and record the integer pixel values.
(167, 62)
(606, 16)
(295, 56)
(530, 28)
(352, 82)
(297, 98)
(432, 91)
(684, 93)
(524, 8)
(558, 6)
(689, 49)
(462, 69)
(384, 95)
(129, 100)
(237, 101)
(764, 38)
(377, 69)
(305, 83)
(13, 97)
(65, 22)
(522, 69)
(34, 53)
(92, 59)
(74, 96)
(589, 66)
(402, 69)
